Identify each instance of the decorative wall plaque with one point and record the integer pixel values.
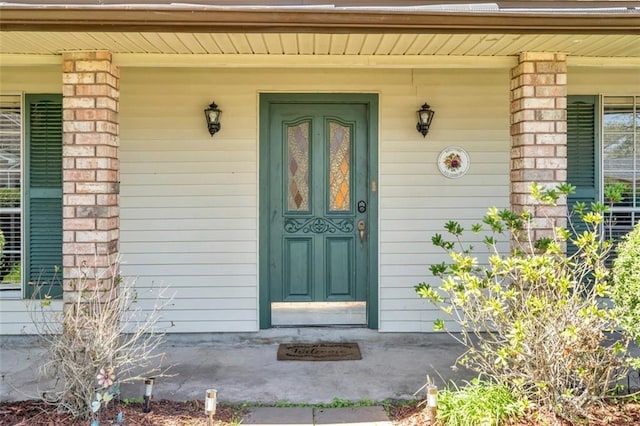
(453, 162)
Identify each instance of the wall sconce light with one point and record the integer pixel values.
(212, 115)
(148, 394)
(425, 116)
(210, 403)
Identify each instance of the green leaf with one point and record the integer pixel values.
(438, 325)
(424, 290)
(438, 269)
(454, 228)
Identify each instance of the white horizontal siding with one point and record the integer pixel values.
(14, 315)
(189, 201)
(593, 81)
(416, 200)
(18, 316)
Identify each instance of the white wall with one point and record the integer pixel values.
(14, 316)
(189, 201)
(593, 81)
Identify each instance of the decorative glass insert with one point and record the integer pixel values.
(339, 167)
(10, 187)
(621, 160)
(298, 167)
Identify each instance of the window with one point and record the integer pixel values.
(621, 159)
(31, 194)
(602, 149)
(10, 192)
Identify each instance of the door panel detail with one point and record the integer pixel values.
(340, 272)
(298, 166)
(298, 261)
(339, 146)
(318, 225)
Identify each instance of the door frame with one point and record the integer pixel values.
(266, 100)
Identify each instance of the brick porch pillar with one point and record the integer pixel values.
(539, 134)
(91, 224)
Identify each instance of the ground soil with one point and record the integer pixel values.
(191, 413)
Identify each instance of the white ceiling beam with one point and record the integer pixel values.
(601, 62)
(19, 60)
(125, 60)
(312, 61)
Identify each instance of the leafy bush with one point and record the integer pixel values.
(100, 340)
(533, 319)
(9, 197)
(626, 287)
(14, 275)
(478, 403)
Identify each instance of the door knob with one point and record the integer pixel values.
(362, 226)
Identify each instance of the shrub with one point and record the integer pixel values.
(533, 319)
(9, 197)
(479, 402)
(14, 275)
(626, 287)
(101, 339)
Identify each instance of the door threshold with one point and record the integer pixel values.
(321, 326)
(318, 314)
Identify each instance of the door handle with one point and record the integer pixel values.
(362, 227)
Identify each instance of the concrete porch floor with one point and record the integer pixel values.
(243, 367)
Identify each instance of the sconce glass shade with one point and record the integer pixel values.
(212, 114)
(425, 116)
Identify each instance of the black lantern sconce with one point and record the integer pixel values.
(425, 116)
(212, 115)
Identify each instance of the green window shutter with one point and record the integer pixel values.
(582, 155)
(43, 200)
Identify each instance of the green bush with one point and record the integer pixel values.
(9, 197)
(533, 319)
(14, 276)
(626, 283)
(478, 403)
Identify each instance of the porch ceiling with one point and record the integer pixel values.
(319, 44)
(381, 30)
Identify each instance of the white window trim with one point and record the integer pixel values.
(18, 292)
(635, 211)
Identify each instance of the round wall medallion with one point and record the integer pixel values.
(453, 162)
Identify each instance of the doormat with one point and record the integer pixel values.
(319, 352)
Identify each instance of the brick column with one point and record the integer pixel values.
(539, 134)
(91, 216)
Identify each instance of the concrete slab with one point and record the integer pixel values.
(300, 416)
(243, 367)
(354, 416)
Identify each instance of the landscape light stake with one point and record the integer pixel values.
(432, 402)
(210, 403)
(148, 394)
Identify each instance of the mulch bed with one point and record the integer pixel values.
(163, 413)
(191, 413)
(606, 415)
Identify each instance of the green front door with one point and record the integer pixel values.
(317, 215)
